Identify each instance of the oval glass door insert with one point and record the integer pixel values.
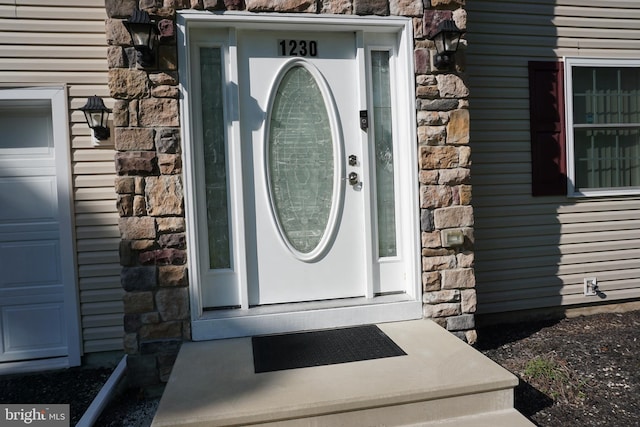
(302, 150)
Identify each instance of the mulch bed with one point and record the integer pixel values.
(582, 371)
(74, 386)
(78, 387)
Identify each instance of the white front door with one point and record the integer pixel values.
(301, 91)
(300, 172)
(38, 312)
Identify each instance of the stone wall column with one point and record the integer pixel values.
(448, 277)
(149, 191)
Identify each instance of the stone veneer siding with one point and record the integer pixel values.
(149, 166)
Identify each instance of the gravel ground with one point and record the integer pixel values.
(130, 409)
(574, 372)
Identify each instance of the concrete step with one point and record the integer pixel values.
(507, 418)
(440, 379)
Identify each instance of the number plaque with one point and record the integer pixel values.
(304, 48)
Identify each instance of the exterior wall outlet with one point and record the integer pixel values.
(590, 286)
(452, 237)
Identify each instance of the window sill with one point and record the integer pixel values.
(610, 192)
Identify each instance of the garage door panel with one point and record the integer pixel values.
(33, 263)
(33, 331)
(27, 232)
(27, 199)
(7, 169)
(35, 295)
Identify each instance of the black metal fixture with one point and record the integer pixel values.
(142, 31)
(446, 39)
(96, 115)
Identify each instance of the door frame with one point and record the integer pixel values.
(194, 28)
(58, 97)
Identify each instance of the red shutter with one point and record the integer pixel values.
(546, 112)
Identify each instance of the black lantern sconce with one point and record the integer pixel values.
(446, 39)
(143, 32)
(96, 115)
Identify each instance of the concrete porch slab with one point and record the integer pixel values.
(213, 384)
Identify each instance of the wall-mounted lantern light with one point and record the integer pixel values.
(446, 39)
(96, 115)
(142, 31)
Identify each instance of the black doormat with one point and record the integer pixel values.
(317, 348)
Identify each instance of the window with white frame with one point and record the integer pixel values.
(603, 126)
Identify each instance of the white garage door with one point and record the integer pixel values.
(38, 309)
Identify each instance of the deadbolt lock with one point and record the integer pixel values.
(353, 178)
(353, 160)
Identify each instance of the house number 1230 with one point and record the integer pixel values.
(298, 47)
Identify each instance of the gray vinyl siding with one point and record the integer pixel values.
(55, 42)
(535, 252)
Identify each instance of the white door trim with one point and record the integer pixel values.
(193, 27)
(57, 95)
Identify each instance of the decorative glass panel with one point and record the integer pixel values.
(300, 160)
(383, 137)
(213, 135)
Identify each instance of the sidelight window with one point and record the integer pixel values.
(384, 159)
(215, 159)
